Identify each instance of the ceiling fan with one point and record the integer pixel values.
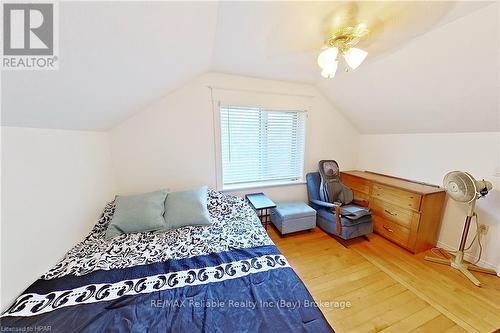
(354, 27)
(352, 30)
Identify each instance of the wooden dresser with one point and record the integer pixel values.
(405, 212)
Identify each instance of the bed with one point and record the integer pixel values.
(228, 277)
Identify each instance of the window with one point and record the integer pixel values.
(261, 146)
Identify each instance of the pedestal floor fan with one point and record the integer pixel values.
(462, 187)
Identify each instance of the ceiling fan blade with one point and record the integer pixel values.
(301, 28)
(343, 15)
(391, 24)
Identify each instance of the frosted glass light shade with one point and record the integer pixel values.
(354, 57)
(327, 57)
(329, 71)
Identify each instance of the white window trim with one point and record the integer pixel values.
(216, 104)
(217, 145)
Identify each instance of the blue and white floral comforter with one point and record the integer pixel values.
(228, 277)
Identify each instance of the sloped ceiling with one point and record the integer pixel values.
(443, 81)
(432, 66)
(115, 58)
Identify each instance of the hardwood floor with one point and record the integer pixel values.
(389, 289)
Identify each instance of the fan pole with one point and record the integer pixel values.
(458, 262)
(460, 254)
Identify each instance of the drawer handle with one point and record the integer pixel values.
(388, 229)
(390, 213)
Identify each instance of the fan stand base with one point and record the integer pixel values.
(457, 262)
(461, 266)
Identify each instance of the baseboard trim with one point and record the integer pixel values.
(470, 257)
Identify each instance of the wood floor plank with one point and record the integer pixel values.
(442, 292)
(438, 324)
(390, 289)
(455, 329)
(358, 318)
(360, 302)
(335, 279)
(359, 288)
(389, 318)
(323, 265)
(412, 322)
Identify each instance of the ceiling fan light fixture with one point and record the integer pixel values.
(342, 40)
(354, 57)
(329, 71)
(327, 57)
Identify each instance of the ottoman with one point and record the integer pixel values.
(290, 217)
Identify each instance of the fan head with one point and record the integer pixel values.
(462, 187)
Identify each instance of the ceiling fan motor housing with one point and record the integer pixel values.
(484, 187)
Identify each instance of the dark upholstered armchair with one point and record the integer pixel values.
(328, 215)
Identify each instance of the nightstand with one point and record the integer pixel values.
(261, 204)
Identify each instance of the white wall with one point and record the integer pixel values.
(55, 184)
(428, 157)
(171, 143)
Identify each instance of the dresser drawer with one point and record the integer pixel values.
(394, 213)
(391, 230)
(361, 195)
(396, 196)
(356, 184)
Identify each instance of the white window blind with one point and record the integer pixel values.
(260, 145)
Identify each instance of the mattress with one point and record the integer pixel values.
(227, 277)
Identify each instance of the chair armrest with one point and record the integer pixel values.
(334, 208)
(338, 225)
(323, 204)
(360, 202)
